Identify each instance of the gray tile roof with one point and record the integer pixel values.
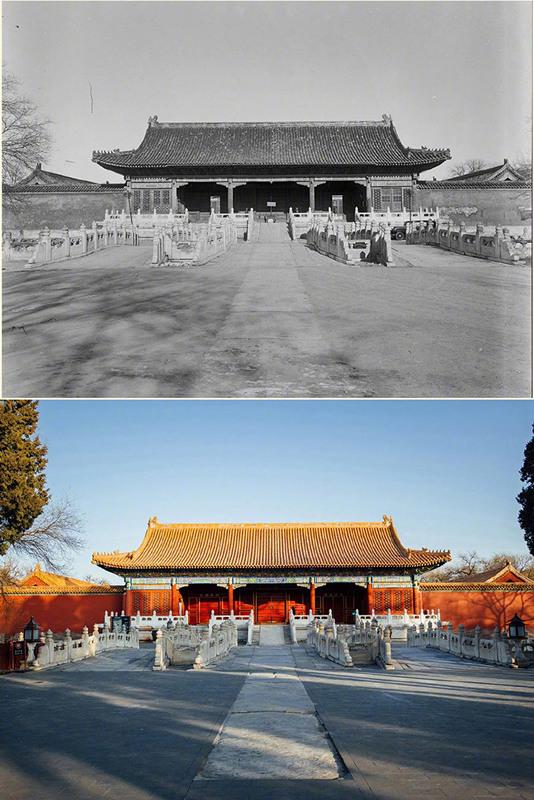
(219, 144)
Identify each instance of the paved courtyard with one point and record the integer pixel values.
(436, 727)
(268, 319)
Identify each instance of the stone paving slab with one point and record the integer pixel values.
(269, 319)
(444, 728)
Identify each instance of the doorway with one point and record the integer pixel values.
(271, 608)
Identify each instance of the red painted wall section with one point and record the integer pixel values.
(488, 609)
(56, 611)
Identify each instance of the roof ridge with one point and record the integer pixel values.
(263, 123)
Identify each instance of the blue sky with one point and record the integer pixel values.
(452, 74)
(447, 471)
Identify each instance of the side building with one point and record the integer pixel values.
(270, 569)
(270, 166)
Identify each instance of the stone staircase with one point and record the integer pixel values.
(271, 635)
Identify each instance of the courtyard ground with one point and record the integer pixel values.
(435, 728)
(270, 318)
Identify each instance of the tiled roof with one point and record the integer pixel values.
(218, 144)
(493, 575)
(482, 185)
(38, 577)
(53, 590)
(488, 173)
(58, 188)
(270, 546)
(40, 176)
(476, 587)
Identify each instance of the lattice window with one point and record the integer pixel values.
(377, 199)
(166, 202)
(145, 197)
(136, 602)
(386, 600)
(165, 602)
(407, 198)
(136, 200)
(386, 199)
(378, 602)
(157, 199)
(398, 602)
(145, 604)
(397, 200)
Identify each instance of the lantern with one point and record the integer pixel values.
(31, 631)
(516, 628)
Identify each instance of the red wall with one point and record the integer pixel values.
(57, 209)
(505, 205)
(488, 609)
(56, 611)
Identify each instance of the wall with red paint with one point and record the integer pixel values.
(489, 609)
(56, 611)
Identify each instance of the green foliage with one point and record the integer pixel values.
(23, 493)
(525, 498)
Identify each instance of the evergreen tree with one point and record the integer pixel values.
(23, 493)
(525, 498)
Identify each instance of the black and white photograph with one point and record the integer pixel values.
(254, 199)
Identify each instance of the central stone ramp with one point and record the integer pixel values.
(273, 232)
(272, 730)
(272, 635)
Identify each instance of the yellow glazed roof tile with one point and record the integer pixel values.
(292, 545)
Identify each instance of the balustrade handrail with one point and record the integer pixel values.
(49, 652)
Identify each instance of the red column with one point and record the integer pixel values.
(174, 600)
(416, 600)
(128, 602)
(370, 598)
(312, 597)
(230, 597)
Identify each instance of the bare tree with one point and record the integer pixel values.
(470, 165)
(468, 564)
(523, 165)
(55, 534)
(26, 138)
(91, 579)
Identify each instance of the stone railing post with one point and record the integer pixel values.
(495, 645)
(159, 659)
(93, 645)
(49, 648)
(85, 640)
(478, 237)
(47, 245)
(114, 232)
(461, 629)
(66, 242)
(68, 645)
(95, 236)
(83, 235)
(461, 234)
(497, 238)
(476, 639)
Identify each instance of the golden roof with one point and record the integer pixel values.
(288, 545)
(38, 577)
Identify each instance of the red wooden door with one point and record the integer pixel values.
(205, 607)
(271, 608)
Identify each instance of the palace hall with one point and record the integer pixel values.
(271, 167)
(271, 568)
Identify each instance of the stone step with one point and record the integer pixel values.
(272, 635)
